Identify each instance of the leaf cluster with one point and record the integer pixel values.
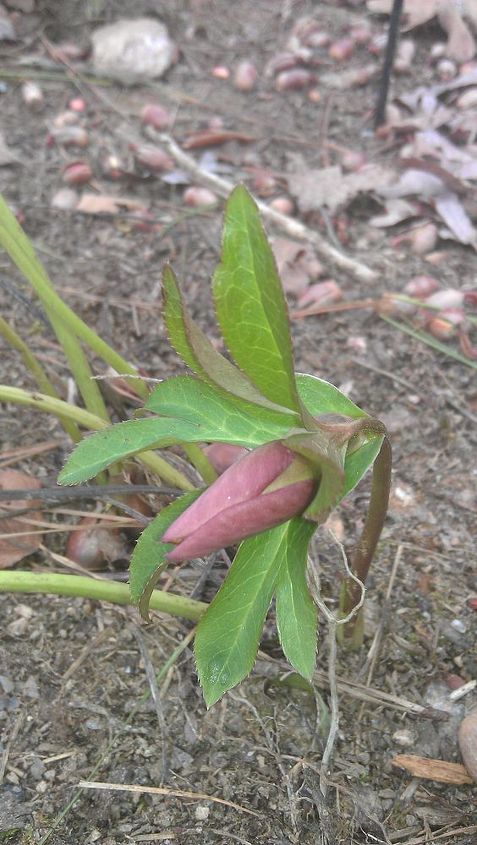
(253, 400)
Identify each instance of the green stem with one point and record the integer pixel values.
(378, 505)
(79, 366)
(17, 244)
(38, 373)
(79, 586)
(51, 405)
(200, 461)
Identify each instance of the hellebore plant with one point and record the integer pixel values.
(308, 446)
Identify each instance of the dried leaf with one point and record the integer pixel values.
(104, 204)
(214, 137)
(414, 182)
(438, 770)
(460, 45)
(331, 188)
(396, 210)
(14, 549)
(321, 294)
(415, 13)
(430, 187)
(452, 212)
(296, 263)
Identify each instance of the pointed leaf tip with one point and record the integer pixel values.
(250, 303)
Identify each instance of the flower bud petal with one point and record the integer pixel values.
(223, 455)
(242, 520)
(243, 481)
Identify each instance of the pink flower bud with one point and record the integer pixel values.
(262, 489)
(223, 455)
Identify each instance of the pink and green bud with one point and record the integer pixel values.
(262, 489)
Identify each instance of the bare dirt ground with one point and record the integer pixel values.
(74, 690)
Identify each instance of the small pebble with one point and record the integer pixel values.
(283, 204)
(446, 69)
(77, 173)
(64, 199)
(245, 77)
(438, 50)
(197, 197)
(202, 813)
(404, 737)
(77, 104)
(156, 116)
(32, 95)
(341, 50)
(294, 79)
(220, 72)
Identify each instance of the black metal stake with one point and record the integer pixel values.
(383, 90)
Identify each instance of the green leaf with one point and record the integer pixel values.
(18, 245)
(230, 419)
(228, 634)
(328, 456)
(250, 303)
(198, 353)
(321, 397)
(296, 611)
(122, 440)
(147, 561)
(357, 463)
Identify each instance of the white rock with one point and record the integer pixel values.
(132, 51)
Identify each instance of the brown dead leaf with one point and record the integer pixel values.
(14, 549)
(448, 205)
(460, 44)
(438, 770)
(104, 204)
(214, 137)
(333, 189)
(296, 263)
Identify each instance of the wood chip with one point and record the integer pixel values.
(438, 770)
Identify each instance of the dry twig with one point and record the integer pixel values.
(292, 227)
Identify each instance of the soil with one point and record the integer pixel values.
(74, 689)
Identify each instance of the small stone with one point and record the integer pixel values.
(37, 769)
(64, 199)
(133, 51)
(6, 684)
(202, 813)
(30, 688)
(404, 737)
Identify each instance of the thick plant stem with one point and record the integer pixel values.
(20, 249)
(80, 586)
(38, 373)
(361, 561)
(51, 405)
